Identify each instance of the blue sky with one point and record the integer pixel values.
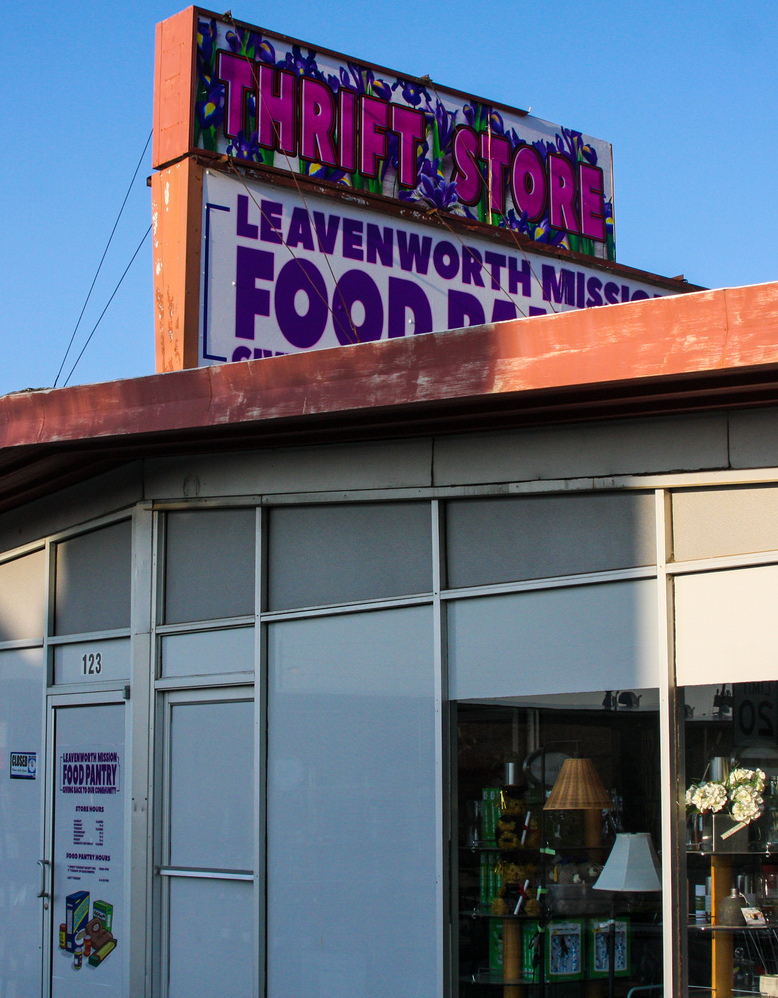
(686, 93)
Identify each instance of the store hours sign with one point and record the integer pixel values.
(286, 271)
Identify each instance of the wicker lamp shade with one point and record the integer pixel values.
(578, 787)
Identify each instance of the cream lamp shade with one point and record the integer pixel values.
(632, 865)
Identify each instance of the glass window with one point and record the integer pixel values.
(731, 782)
(557, 823)
(352, 843)
(209, 567)
(23, 598)
(207, 653)
(212, 785)
(347, 553)
(514, 538)
(211, 941)
(93, 580)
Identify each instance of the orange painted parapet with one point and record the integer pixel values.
(677, 347)
(678, 335)
(176, 212)
(174, 83)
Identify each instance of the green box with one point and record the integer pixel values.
(103, 911)
(495, 944)
(490, 809)
(531, 940)
(599, 930)
(565, 950)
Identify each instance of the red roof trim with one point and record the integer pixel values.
(704, 332)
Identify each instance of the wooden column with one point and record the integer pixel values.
(511, 957)
(722, 942)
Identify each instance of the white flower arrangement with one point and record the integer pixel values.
(739, 795)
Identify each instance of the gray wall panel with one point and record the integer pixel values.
(516, 538)
(327, 468)
(344, 553)
(710, 523)
(93, 579)
(688, 443)
(23, 598)
(209, 568)
(753, 438)
(69, 507)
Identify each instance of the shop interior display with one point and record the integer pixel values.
(544, 788)
(551, 794)
(731, 768)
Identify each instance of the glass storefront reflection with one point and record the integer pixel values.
(558, 824)
(731, 780)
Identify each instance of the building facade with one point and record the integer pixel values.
(282, 657)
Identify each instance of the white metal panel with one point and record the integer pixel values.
(21, 722)
(343, 553)
(598, 637)
(511, 537)
(726, 626)
(94, 580)
(209, 569)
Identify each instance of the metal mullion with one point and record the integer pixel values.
(21, 643)
(194, 626)
(165, 716)
(142, 748)
(335, 609)
(57, 537)
(217, 679)
(674, 936)
(205, 873)
(93, 686)
(442, 797)
(756, 559)
(212, 502)
(552, 582)
(259, 968)
(114, 634)
(13, 554)
(596, 483)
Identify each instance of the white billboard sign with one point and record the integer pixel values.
(285, 271)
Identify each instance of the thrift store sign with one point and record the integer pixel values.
(266, 99)
(283, 273)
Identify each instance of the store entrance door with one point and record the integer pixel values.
(89, 792)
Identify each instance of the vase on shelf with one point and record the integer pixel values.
(715, 833)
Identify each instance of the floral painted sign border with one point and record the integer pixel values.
(265, 99)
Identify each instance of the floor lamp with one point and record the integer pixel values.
(632, 867)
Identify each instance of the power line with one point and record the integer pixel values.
(99, 267)
(94, 328)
